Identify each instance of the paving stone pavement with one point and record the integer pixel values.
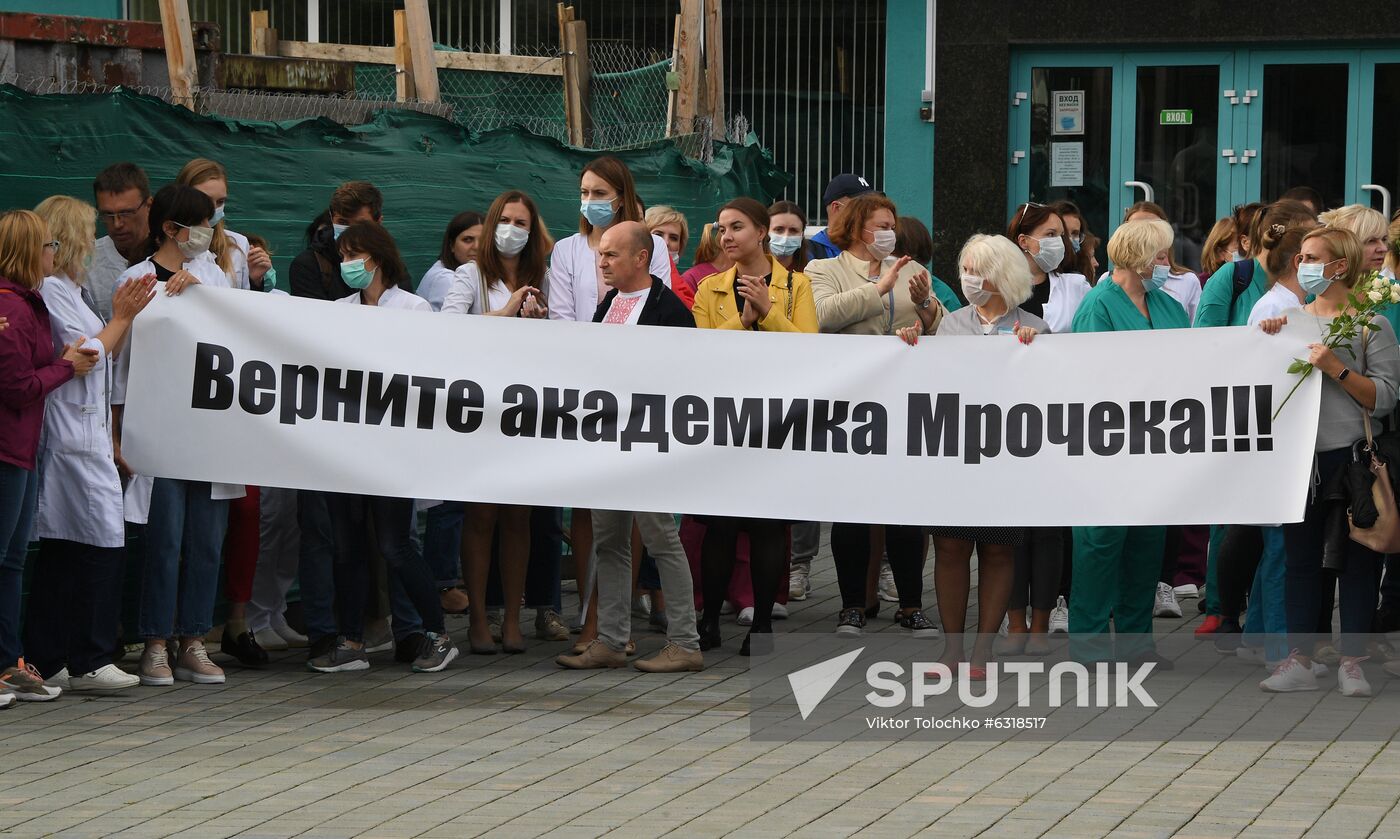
(514, 746)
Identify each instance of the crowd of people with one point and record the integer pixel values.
(381, 574)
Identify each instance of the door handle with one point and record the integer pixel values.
(1146, 188)
(1385, 198)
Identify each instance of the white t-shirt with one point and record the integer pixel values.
(1274, 303)
(434, 285)
(627, 307)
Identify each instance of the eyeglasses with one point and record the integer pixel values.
(1021, 213)
(123, 216)
(53, 246)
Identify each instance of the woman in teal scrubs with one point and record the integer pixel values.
(1116, 568)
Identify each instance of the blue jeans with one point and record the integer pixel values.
(442, 542)
(19, 493)
(316, 564)
(184, 540)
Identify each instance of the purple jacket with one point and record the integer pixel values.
(28, 372)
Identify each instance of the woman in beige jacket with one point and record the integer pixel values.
(864, 292)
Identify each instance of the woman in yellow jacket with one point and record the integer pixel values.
(864, 291)
(759, 294)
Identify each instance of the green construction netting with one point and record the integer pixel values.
(625, 109)
(282, 174)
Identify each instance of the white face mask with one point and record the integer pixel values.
(974, 289)
(511, 240)
(197, 243)
(784, 245)
(1052, 253)
(883, 245)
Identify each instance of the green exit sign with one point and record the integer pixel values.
(1180, 116)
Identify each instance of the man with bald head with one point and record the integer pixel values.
(639, 299)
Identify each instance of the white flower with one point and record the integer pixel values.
(1380, 284)
(1375, 296)
(1395, 294)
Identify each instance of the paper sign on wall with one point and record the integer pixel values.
(1067, 164)
(1067, 115)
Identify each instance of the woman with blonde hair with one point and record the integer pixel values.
(1361, 381)
(75, 591)
(709, 259)
(1111, 580)
(30, 369)
(996, 280)
(244, 264)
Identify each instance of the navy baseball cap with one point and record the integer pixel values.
(845, 186)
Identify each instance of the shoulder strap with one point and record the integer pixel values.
(1243, 276)
(484, 290)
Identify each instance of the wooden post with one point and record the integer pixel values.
(404, 89)
(579, 84)
(714, 66)
(179, 50)
(420, 37)
(263, 38)
(688, 50)
(671, 91)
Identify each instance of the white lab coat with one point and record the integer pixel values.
(464, 295)
(107, 267)
(138, 490)
(1067, 291)
(395, 298)
(80, 493)
(573, 276)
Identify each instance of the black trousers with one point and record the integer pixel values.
(75, 607)
(767, 560)
(904, 545)
(1040, 561)
(1236, 563)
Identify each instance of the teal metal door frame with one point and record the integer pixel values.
(1365, 148)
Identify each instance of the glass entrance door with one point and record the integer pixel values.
(1302, 125)
(1379, 155)
(1173, 154)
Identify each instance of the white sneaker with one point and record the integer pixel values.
(60, 680)
(1005, 626)
(269, 640)
(1350, 680)
(1187, 592)
(1290, 676)
(728, 608)
(641, 605)
(1166, 605)
(1059, 618)
(6, 700)
(295, 640)
(745, 616)
(799, 582)
(780, 612)
(889, 592)
(103, 680)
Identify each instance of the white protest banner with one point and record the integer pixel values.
(1127, 428)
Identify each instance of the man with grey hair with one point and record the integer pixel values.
(637, 298)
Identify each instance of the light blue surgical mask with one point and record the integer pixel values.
(598, 213)
(217, 217)
(1312, 277)
(338, 229)
(1076, 242)
(355, 274)
(784, 245)
(270, 279)
(1160, 275)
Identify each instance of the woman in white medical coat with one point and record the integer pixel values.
(76, 587)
